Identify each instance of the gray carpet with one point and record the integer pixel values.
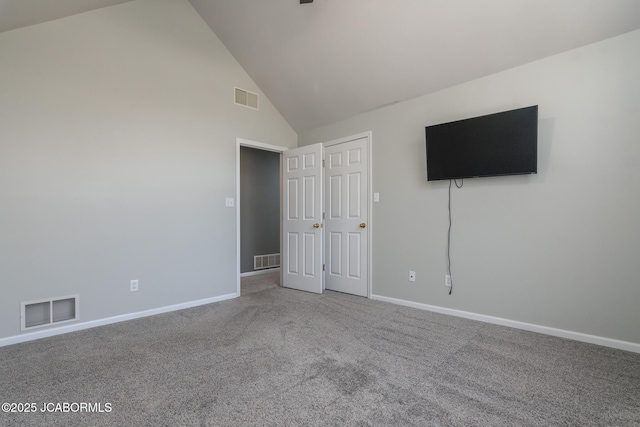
(278, 357)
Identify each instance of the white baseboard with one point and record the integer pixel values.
(16, 339)
(257, 272)
(577, 336)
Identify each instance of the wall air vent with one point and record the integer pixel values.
(46, 312)
(246, 98)
(261, 262)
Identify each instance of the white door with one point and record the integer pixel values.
(347, 204)
(302, 222)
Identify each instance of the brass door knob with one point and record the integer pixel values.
(316, 225)
(363, 225)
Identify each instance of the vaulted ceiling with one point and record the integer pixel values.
(323, 62)
(21, 13)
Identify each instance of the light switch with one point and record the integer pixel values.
(376, 197)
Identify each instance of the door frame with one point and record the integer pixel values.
(368, 135)
(240, 142)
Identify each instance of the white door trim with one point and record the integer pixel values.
(368, 135)
(240, 142)
(350, 138)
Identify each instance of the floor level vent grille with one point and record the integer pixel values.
(266, 261)
(46, 312)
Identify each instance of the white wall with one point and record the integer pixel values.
(117, 150)
(558, 249)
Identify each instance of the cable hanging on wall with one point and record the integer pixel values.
(449, 233)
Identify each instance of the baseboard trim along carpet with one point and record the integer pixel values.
(16, 339)
(577, 336)
(259, 272)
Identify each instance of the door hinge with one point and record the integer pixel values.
(322, 267)
(322, 162)
(323, 215)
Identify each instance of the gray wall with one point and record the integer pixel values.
(557, 249)
(259, 205)
(117, 151)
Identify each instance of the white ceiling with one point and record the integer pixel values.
(21, 13)
(326, 61)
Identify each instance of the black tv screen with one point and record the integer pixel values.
(497, 144)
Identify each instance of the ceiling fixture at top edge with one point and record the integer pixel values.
(306, 1)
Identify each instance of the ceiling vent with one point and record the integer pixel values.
(246, 98)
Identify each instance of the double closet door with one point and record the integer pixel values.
(326, 211)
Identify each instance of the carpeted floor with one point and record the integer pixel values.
(260, 282)
(279, 357)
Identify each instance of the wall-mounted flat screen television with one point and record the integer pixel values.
(497, 144)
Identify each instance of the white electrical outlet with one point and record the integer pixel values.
(133, 287)
(447, 280)
(412, 276)
(229, 202)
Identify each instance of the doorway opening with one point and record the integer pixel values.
(258, 210)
